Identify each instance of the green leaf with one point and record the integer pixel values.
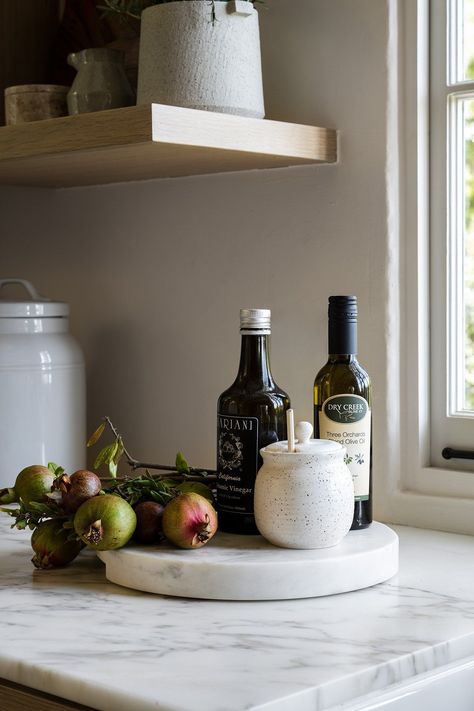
(162, 497)
(106, 455)
(169, 483)
(113, 468)
(196, 487)
(36, 506)
(8, 496)
(96, 435)
(102, 456)
(181, 464)
(55, 469)
(119, 452)
(11, 512)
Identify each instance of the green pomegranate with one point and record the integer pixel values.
(51, 545)
(33, 483)
(105, 522)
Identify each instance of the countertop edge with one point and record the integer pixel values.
(320, 697)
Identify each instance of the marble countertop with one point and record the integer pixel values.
(71, 633)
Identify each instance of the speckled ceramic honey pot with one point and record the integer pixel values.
(304, 498)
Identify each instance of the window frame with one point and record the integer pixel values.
(408, 490)
(451, 425)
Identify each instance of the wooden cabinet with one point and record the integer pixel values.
(14, 697)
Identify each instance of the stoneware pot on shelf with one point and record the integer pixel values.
(34, 102)
(100, 83)
(304, 498)
(187, 59)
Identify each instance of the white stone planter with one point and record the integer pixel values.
(186, 60)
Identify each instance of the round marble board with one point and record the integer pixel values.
(233, 567)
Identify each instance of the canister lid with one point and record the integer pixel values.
(318, 447)
(33, 306)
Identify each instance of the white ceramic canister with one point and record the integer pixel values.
(305, 498)
(42, 386)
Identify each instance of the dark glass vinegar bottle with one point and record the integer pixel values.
(342, 403)
(250, 415)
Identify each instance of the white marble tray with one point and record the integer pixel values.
(248, 568)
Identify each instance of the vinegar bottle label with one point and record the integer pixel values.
(237, 462)
(346, 419)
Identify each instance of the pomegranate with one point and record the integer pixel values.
(77, 488)
(51, 545)
(149, 522)
(189, 521)
(105, 522)
(33, 483)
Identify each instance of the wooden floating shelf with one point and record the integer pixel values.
(153, 141)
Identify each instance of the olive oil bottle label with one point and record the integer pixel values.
(237, 462)
(346, 419)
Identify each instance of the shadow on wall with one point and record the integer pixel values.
(116, 378)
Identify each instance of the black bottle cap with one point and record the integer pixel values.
(343, 308)
(342, 326)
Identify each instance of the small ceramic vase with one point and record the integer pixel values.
(305, 498)
(101, 82)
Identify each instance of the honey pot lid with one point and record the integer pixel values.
(304, 444)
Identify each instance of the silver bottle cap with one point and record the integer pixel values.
(256, 322)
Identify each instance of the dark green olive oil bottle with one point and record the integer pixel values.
(250, 415)
(342, 403)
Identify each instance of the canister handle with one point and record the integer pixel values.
(26, 285)
(240, 7)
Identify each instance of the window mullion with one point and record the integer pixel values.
(455, 265)
(455, 51)
(463, 89)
